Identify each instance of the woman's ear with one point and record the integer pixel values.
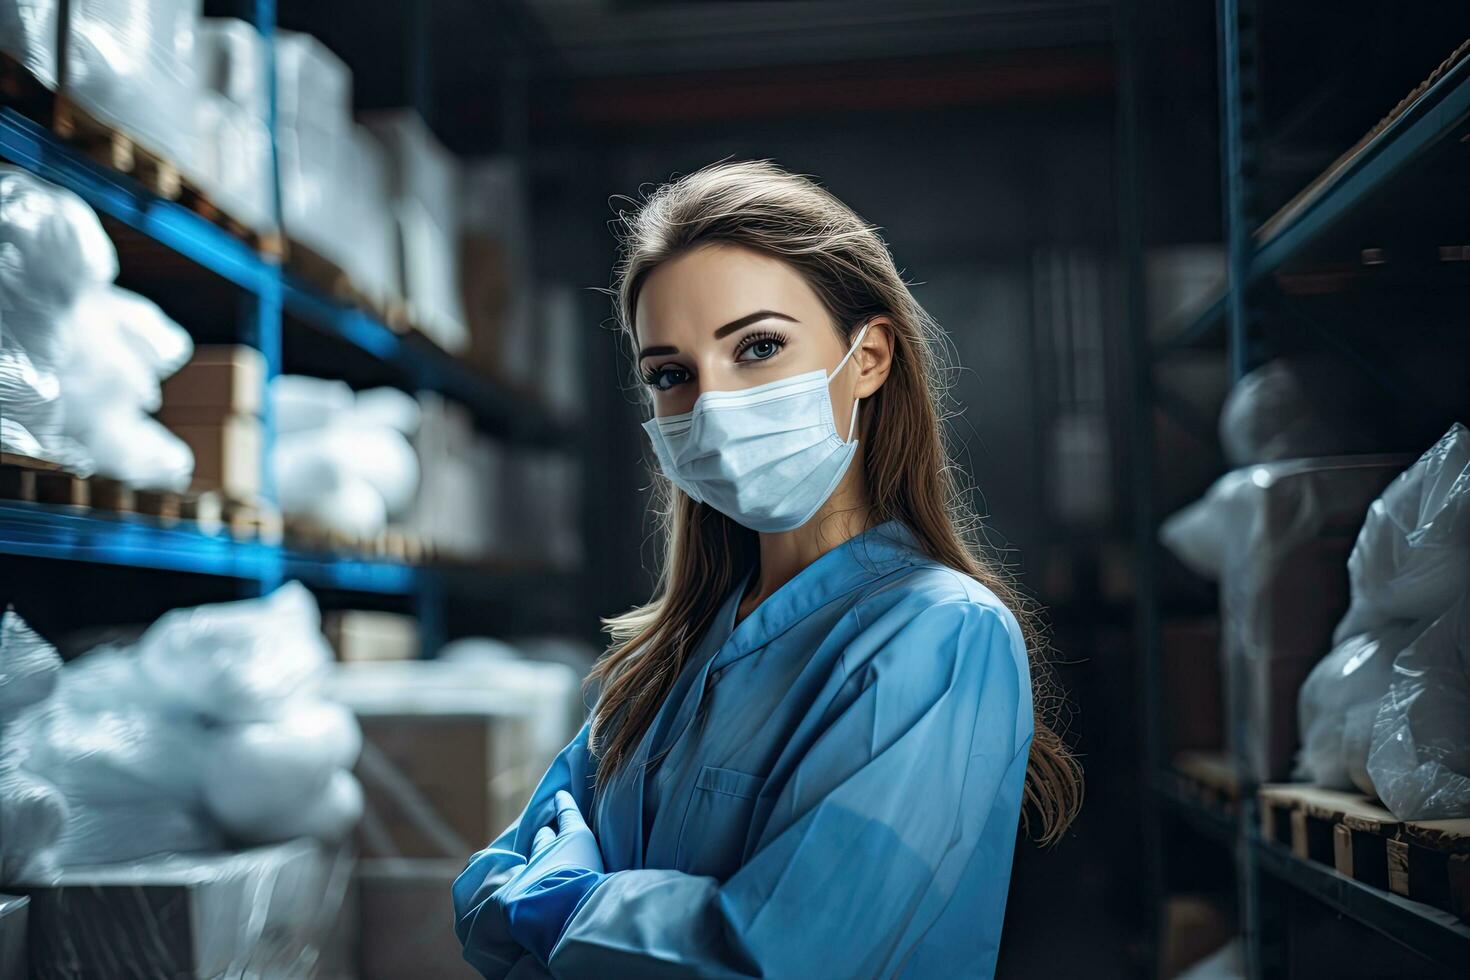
(874, 355)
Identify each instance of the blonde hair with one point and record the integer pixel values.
(758, 205)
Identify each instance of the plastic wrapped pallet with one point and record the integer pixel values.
(262, 912)
(28, 33)
(367, 249)
(131, 63)
(313, 85)
(427, 201)
(564, 343)
(232, 62)
(452, 751)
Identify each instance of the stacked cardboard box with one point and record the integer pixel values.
(213, 404)
(363, 635)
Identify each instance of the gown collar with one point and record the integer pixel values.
(860, 559)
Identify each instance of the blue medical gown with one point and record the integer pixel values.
(841, 802)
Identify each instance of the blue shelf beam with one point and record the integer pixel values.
(135, 541)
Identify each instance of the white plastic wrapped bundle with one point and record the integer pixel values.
(28, 34)
(238, 661)
(1420, 755)
(33, 816)
(427, 199)
(366, 243)
(261, 777)
(234, 163)
(343, 460)
(1412, 557)
(310, 162)
(52, 249)
(232, 62)
(1355, 674)
(123, 345)
(28, 666)
(132, 63)
(313, 85)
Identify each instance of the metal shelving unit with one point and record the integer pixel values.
(270, 304)
(1368, 189)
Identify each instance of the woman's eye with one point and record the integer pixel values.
(665, 378)
(762, 349)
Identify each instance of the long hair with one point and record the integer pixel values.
(758, 205)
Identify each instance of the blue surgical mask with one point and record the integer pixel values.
(767, 457)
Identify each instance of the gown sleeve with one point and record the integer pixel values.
(925, 743)
(480, 926)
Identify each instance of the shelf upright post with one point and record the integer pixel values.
(1237, 30)
(1140, 462)
(261, 311)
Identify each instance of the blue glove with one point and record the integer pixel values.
(565, 865)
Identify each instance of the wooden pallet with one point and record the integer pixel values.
(1209, 778)
(392, 544)
(1428, 861)
(116, 149)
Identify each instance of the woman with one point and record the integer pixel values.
(810, 750)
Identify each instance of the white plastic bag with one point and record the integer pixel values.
(257, 771)
(1420, 759)
(28, 666)
(238, 661)
(1296, 406)
(1412, 557)
(1356, 672)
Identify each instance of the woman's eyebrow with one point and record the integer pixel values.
(728, 328)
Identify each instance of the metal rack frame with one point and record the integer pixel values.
(1443, 111)
(268, 294)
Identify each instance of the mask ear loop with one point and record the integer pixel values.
(852, 421)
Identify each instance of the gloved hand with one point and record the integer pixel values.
(565, 865)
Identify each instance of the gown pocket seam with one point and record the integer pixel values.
(748, 788)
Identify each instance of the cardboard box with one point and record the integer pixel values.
(406, 919)
(266, 911)
(227, 454)
(456, 781)
(359, 635)
(1280, 604)
(219, 380)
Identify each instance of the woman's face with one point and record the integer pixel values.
(723, 317)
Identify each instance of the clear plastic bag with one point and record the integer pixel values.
(1412, 556)
(1420, 758)
(1297, 406)
(1356, 672)
(28, 34)
(28, 666)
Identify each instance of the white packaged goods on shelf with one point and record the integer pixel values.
(1420, 756)
(460, 505)
(310, 162)
(343, 461)
(28, 31)
(131, 63)
(427, 200)
(234, 162)
(1409, 564)
(232, 62)
(1355, 674)
(1298, 406)
(122, 345)
(1274, 536)
(1412, 557)
(263, 912)
(28, 666)
(313, 85)
(367, 248)
(262, 653)
(208, 728)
